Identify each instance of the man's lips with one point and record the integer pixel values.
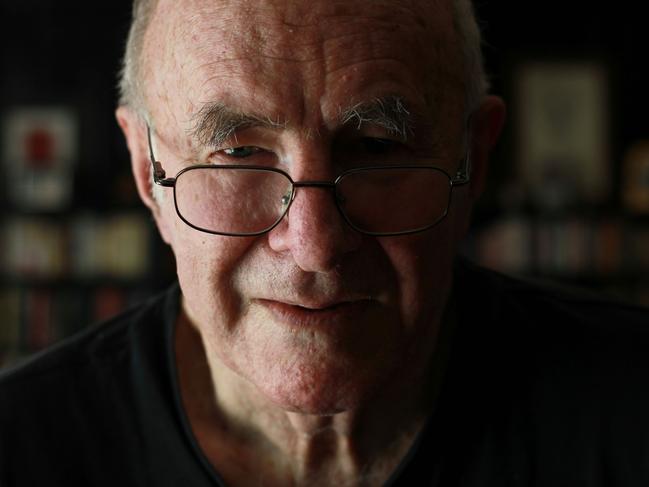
(313, 314)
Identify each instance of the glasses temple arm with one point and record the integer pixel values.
(463, 174)
(159, 174)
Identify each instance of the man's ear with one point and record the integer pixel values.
(486, 125)
(134, 131)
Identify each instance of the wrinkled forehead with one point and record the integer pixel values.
(249, 21)
(196, 40)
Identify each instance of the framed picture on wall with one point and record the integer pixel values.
(562, 118)
(635, 178)
(40, 147)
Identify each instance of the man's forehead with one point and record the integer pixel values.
(267, 23)
(300, 12)
(248, 20)
(241, 38)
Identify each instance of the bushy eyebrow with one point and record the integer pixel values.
(215, 123)
(389, 113)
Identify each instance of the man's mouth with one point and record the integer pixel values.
(316, 314)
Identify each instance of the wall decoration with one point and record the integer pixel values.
(562, 118)
(39, 149)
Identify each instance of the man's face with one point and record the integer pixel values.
(314, 314)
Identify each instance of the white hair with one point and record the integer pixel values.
(131, 90)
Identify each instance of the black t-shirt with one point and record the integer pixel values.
(543, 387)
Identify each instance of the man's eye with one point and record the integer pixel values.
(240, 152)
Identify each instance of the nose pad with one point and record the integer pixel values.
(287, 199)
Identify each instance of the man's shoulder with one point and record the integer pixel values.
(539, 301)
(555, 338)
(86, 399)
(73, 352)
(539, 373)
(103, 345)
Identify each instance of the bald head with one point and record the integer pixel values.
(465, 30)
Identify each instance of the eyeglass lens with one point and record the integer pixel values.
(394, 200)
(248, 201)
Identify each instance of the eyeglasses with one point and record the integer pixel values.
(247, 200)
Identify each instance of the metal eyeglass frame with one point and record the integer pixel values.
(462, 177)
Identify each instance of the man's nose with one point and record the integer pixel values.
(314, 231)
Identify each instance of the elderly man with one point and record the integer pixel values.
(313, 165)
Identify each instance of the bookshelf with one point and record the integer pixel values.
(604, 252)
(76, 245)
(63, 272)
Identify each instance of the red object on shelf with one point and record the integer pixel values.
(40, 145)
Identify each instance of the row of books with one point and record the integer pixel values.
(83, 246)
(564, 247)
(37, 317)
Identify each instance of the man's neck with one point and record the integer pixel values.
(250, 440)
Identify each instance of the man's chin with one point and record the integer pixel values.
(317, 401)
(321, 388)
(321, 370)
